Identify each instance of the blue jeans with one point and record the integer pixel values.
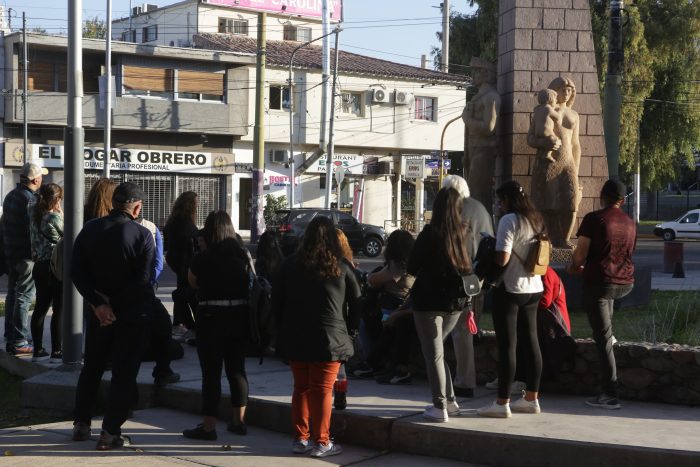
(598, 304)
(20, 293)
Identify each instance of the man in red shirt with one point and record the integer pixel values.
(603, 255)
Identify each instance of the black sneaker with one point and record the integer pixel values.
(395, 378)
(108, 442)
(40, 355)
(162, 380)
(200, 433)
(340, 400)
(81, 431)
(604, 401)
(237, 428)
(56, 357)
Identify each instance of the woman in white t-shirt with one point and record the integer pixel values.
(515, 301)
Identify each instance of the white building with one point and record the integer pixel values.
(385, 111)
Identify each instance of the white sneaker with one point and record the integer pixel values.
(301, 446)
(434, 414)
(453, 409)
(325, 450)
(525, 406)
(495, 410)
(492, 384)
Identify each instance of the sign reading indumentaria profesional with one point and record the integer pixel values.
(310, 8)
(128, 159)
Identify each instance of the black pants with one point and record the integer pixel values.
(123, 342)
(49, 293)
(515, 319)
(394, 345)
(160, 336)
(221, 343)
(184, 301)
(598, 303)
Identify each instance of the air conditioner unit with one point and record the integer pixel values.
(385, 168)
(137, 10)
(403, 98)
(279, 156)
(149, 7)
(380, 95)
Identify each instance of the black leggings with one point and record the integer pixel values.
(515, 318)
(49, 293)
(219, 346)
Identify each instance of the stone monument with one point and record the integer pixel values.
(480, 120)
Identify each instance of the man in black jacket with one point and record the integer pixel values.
(111, 268)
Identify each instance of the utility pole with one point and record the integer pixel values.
(25, 99)
(325, 99)
(74, 183)
(613, 97)
(108, 92)
(331, 124)
(445, 65)
(258, 223)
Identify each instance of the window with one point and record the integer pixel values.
(150, 33)
(296, 33)
(425, 108)
(129, 35)
(690, 219)
(143, 81)
(279, 98)
(322, 183)
(346, 219)
(351, 103)
(200, 85)
(233, 26)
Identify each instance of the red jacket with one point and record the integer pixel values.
(554, 291)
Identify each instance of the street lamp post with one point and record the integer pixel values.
(292, 169)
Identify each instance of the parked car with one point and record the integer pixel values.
(688, 226)
(291, 225)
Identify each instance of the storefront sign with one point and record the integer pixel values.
(415, 168)
(275, 180)
(291, 7)
(352, 163)
(128, 159)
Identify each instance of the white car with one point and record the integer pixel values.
(688, 226)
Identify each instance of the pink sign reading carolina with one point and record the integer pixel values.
(294, 7)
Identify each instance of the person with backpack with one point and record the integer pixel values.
(439, 260)
(219, 274)
(46, 229)
(310, 296)
(515, 301)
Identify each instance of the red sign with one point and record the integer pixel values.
(311, 8)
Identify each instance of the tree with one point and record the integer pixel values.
(94, 28)
(660, 116)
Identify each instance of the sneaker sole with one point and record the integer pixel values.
(494, 414)
(327, 453)
(526, 410)
(603, 406)
(433, 419)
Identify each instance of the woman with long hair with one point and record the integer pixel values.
(219, 274)
(438, 260)
(269, 256)
(515, 301)
(180, 247)
(99, 199)
(314, 331)
(46, 229)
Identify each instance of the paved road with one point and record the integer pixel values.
(650, 253)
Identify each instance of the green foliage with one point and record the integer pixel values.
(94, 28)
(272, 205)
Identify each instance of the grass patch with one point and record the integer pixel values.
(12, 414)
(672, 317)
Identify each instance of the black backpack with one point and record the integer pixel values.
(485, 266)
(261, 319)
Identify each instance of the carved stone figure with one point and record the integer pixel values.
(547, 121)
(480, 118)
(555, 190)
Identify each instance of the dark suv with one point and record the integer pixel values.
(291, 225)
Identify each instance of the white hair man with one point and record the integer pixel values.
(476, 219)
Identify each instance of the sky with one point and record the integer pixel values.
(396, 30)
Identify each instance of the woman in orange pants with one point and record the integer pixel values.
(313, 331)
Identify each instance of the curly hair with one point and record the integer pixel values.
(49, 194)
(184, 206)
(448, 225)
(99, 200)
(344, 245)
(320, 254)
(399, 246)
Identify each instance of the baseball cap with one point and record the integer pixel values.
(614, 190)
(30, 171)
(127, 192)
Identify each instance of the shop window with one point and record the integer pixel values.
(233, 26)
(352, 104)
(296, 33)
(150, 33)
(279, 98)
(425, 108)
(200, 85)
(143, 81)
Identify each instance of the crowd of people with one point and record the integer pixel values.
(327, 312)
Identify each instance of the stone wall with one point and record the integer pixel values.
(646, 372)
(538, 41)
